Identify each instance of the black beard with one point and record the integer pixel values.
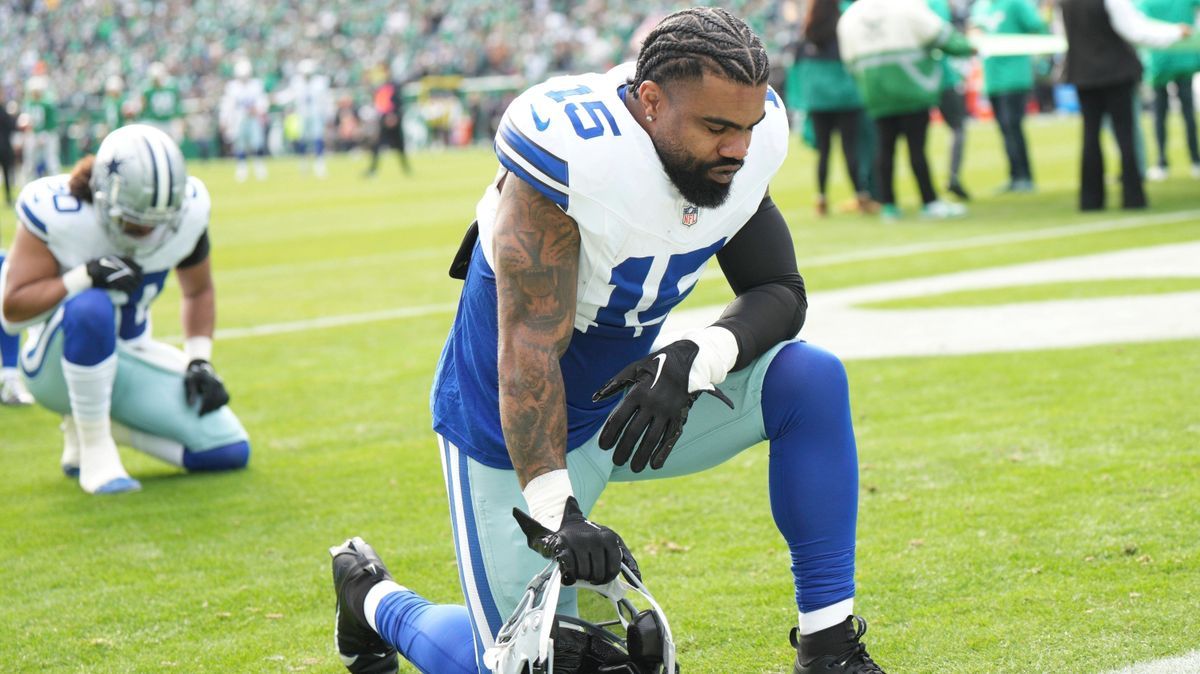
(690, 177)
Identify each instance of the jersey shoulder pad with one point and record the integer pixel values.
(196, 199)
(556, 122)
(45, 207)
(775, 125)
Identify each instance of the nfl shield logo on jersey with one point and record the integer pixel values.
(690, 215)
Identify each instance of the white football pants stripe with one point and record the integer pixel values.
(451, 466)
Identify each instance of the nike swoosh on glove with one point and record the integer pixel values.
(584, 550)
(115, 273)
(655, 407)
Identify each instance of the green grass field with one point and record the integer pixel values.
(1031, 512)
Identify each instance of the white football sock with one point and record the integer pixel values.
(822, 618)
(70, 455)
(89, 388)
(377, 594)
(9, 374)
(164, 449)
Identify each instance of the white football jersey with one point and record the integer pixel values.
(242, 100)
(643, 246)
(72, 231)
(310, 95)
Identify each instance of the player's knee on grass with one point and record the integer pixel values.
(89, 327)
(226, 457)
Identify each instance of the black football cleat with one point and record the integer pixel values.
(834, 650)
(356, 569)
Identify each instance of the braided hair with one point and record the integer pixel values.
(693, 41)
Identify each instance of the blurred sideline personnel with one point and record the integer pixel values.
(1167, 69)
(389, 111)
(162, 106)
(92, 251)
(8, 156)
(1008, 81)
(39, 137)
(1104, 67)
(952, 103)
(831, 99)
(888, 45)
(242, 113)
(309, 94)
(614, 191)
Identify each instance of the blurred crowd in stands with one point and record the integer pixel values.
(84, 48)
(370, 73)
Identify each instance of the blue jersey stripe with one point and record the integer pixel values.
(539, 157)
(547, 191)
(33, 219)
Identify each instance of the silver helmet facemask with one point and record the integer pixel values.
(536, 640)
(139, 181)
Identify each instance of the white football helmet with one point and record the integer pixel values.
(536, 640)
(138, 185)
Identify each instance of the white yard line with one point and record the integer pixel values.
(835, 323)
(1184, 664)
(331, 321)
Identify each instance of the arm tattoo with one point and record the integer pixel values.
(536, 250)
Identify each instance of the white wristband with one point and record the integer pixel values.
(198, 347)
(77, 280)
(717, 356)
(546, 495)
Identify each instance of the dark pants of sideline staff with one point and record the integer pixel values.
(1115, 102)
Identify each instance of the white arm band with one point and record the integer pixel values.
(198, 347)
(717, 355)
(546, 495)
(77, 280)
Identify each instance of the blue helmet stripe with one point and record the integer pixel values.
(153, 169)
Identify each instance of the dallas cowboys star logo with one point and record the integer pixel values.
(113, 166)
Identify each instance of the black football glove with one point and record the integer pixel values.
(201, 384)
(115, 273)
(584, 550)
(655, 407)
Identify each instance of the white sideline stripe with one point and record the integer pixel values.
(331, 321)
(866, 255)
(996, 239)
(1184, 664)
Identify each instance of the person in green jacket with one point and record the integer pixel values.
(39, 138)
(1008, 80)
(827, 93)
(888, 45)
(162, 105)
(1166, 69)
(953, 106)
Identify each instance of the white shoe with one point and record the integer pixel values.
(101, 472)
(1196, 170)
(260, 171)
(14, 393)
(1156, 174)
(241, 173)
(941, 210)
